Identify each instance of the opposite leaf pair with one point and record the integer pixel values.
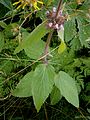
(40, 83)
(34, 46)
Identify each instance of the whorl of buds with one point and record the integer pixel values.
(55, 21)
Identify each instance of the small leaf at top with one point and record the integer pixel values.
(61, 33)
(42, 84)
(62, 45)
(67, 86)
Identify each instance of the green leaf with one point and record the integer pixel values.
(6, 3)
(23, 88)
(3, 24)
(75, 43)
(84, 31)
(69, 29)
(67, 86)
(62, 45)
(42, 84)
(33, 37)
(61, 33)
(35, 50)
(1, 41)
(55, 96)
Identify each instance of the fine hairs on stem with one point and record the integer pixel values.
(50, 35)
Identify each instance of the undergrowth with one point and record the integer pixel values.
(17, 60)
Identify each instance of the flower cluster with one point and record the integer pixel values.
(55, 21)
(24, 3)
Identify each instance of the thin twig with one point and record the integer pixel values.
(21, 26)
(4, 98)
(82, 114)
(4, 115)
(45, 111)
(29, 65)
(25, 20)
(9, 107)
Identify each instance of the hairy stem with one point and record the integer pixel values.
(59, 7)
(50, 35)
(47, 46)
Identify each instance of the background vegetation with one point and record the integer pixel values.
(15, 26)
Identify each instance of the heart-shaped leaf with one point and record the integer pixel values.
(23, 88)
(42, 84)
(68, 88)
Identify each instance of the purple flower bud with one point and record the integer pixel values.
(50, 24)
(60, 12)
(56, 26)
(47, 12)
(54, 9)
(61, 27)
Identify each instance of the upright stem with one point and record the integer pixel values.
(59, 7)
(50, 35)
(47, 46)
(48, 42)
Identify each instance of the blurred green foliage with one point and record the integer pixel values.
(75, 60)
